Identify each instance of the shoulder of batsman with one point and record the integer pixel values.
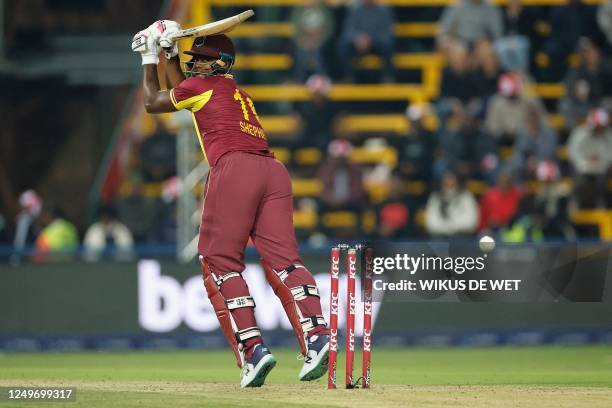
(193, 81)
(227, 78)
(221, 81)
(211, 79)
(217, 83)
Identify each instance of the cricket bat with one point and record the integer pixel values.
(216, 27)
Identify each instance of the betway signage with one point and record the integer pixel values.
(164, 303)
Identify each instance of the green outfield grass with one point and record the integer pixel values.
(473, 377)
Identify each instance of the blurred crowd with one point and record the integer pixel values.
(484, 157)
(491, 133)
(43, 233)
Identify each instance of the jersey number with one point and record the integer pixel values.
(238, 97)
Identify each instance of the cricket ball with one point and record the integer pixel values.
(486, 244)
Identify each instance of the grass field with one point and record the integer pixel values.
(421, 377)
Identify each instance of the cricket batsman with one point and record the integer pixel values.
(247, 195)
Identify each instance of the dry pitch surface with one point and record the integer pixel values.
(482, 377)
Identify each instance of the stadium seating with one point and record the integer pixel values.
(280, 126)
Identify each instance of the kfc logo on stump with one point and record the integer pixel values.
(367, 340)
(333, 340)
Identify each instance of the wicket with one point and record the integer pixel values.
(350, 315)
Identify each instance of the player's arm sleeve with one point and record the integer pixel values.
(187, 96)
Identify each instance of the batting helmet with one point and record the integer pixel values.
(212, 46)
(218, 48)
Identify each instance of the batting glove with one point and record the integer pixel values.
(145, 42)
(169, 46)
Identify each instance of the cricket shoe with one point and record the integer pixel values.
(315, 361)
(257, 368)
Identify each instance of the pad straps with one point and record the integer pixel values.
(301, 292)
(219, 280)
(238, 302)
(248, 333)
(285, 272)
(309, 323)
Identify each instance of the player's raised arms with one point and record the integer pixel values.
(147, 42)
(155, 100)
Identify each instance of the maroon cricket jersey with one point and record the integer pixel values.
(224, 116)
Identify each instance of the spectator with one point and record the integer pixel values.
(518, 19)
(604, 19)
(459, 81)
(525, 226)
(416, 148)
(393, 213)
(543, 213)
(368, 28)
(314, 25)
(469, 21)
(305, 216)
(140, 213)
(535, 143)
(551, 202)
(514, 46)
(451, 211)
(465, 147)
(343, 186)
(590, 153)
(568, 24)
(499, 204)
(107, 233)
(167, 224)
(58, 237)
(27, 229)
(488, 70)
(317, 115)
(158, 154)
(586, 84)
(508, 109)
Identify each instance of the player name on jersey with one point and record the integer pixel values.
(252, 130)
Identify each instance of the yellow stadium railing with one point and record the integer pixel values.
(549, 91)
(383, 123)
(601, 218)
(248, 30)
(374, 92)
(415, 30)
(306, 187)
(307, 156)
(282, 154)
(386, 155)
(340, 219)
(305, 219)
(342, 92)
(263, 62)
(280, 124)
(401, 30)
(285, 61)
(393, 123)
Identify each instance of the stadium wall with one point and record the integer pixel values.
(160, 303)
